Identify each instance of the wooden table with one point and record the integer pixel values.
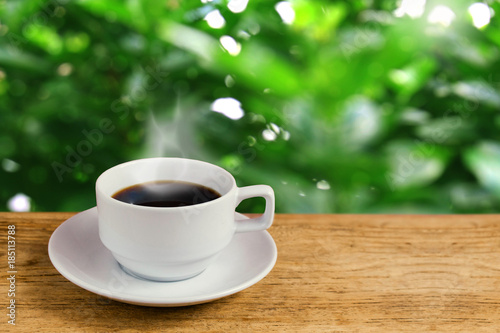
(335, 273)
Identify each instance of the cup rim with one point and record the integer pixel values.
(129, 205)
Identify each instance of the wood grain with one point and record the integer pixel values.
(335, 273)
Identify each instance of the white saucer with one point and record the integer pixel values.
(79, 255)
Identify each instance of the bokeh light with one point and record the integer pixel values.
(229, 107)
(19, 203)
(480, 13)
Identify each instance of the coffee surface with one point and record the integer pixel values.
(166, 193)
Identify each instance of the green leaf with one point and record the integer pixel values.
(483, 160)
(447, 130)
(44, 37)
(256, 66)
(111, 10)
(12, 56)
(307, 14)
(477, 92)
(409, 79)
(414, 164)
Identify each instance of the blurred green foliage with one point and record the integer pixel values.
(348, 107)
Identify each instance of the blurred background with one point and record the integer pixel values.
(363, 106)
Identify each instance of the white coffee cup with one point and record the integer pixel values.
(173, 243)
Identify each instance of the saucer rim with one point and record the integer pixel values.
(159, 301)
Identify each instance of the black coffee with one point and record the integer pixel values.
(166, 193)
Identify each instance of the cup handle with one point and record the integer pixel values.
(265, 220)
